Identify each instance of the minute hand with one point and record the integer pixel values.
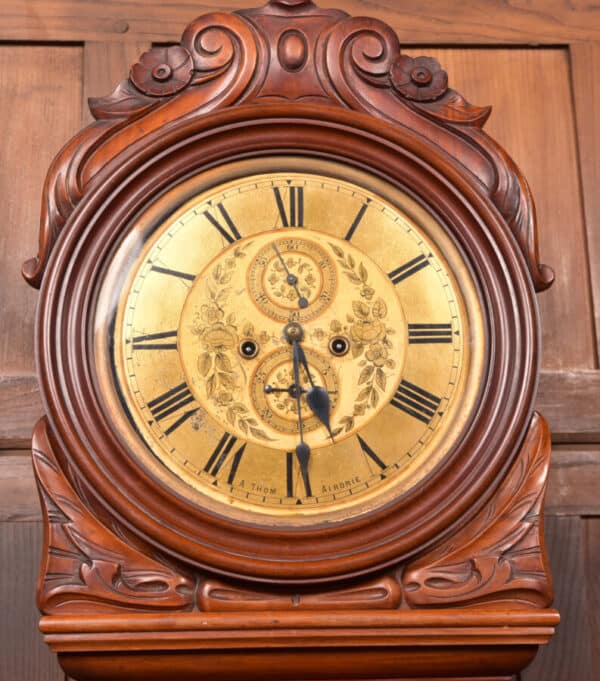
(317, 397)
(291, 279)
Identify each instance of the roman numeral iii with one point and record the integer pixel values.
(415, 401)
(291, 215)
(430, 333)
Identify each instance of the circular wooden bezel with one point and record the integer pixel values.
(460, 484)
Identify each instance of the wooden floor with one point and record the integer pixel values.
(537, 62)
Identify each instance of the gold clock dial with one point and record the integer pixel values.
(297, 345)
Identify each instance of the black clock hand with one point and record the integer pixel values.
(291, 279)
(302, 449)
(291, 390)
(317, 397)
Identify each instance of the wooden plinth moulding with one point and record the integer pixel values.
(138, 581)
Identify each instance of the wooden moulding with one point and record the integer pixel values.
(280, 646)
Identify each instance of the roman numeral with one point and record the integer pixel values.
(229, 230)
(416, 401)
(181, 420)
(220, 454)
(357, 219)
(370, 453)
(173, 273)
(294, 217)
(155, 341)
(289, 476)
(169, 402)
(408, 269)
(430, 333)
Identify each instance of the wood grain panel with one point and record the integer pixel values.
(446, 21)
(19, 500)
(568, 655)
(531, 95)
(574, 481)
(40, 109)
(570, 402)
(585, 65)
(20, 407)
(23, 655)
(105, 65)
(592, 580)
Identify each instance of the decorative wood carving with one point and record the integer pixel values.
(499, 556)
(128, 565)
(87, 568)
(379, 594)
(287, 52)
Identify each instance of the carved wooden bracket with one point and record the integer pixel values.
(499, 555)
(287, 51)
(86, 568)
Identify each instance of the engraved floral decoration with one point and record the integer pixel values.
(219, 336)
(283, 402)
(369, 334)
(302, 268)
(163, 71)
(421, 78)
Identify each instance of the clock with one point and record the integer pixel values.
(288, 349)
(291, 347)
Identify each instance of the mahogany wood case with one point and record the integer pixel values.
(450, 581)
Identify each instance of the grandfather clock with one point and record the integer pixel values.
(288, 348)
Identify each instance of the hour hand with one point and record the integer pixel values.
(317, 397)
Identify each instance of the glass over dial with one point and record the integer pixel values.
(296, 343)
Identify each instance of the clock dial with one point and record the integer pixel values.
(358, 404)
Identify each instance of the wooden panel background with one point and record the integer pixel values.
(536, 61)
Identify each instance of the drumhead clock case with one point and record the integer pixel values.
(288, 347)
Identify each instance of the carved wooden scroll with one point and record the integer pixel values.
(294, 52)
(498, 556)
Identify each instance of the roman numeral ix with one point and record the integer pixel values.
(228, 230)
(416, 401)
(293, 215)
(408, 269)
(430, 333)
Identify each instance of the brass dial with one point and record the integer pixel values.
(392, 334)
(244, 295)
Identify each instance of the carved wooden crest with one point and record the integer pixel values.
(287, 52)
